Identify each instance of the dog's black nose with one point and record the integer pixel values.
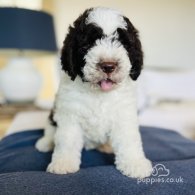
(108, 67)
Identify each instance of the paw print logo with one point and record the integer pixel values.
(160, 170)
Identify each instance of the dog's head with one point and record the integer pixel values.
(103, 48)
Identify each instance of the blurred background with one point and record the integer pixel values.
(31, 36)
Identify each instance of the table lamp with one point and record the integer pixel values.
(24, 34)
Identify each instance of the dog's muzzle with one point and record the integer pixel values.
(108, 68)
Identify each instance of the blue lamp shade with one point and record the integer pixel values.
(25, 29)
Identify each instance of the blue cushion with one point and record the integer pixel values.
(22, 168)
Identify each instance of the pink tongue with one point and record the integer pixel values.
(106, 85)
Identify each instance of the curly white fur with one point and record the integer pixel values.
(88, 117)
(106, 50)
(108, 19)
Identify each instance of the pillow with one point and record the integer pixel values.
(169, 85)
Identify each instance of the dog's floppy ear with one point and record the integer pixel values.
(69, 44)
(66, 54)
(130, 40)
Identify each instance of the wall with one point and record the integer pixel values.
(166, 26)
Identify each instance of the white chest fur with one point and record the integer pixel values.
(96, 112)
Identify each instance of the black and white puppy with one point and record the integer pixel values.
(96, 101)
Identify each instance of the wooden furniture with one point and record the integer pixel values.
(8, 112)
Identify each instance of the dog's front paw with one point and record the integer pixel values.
(63, 166)
(139, 168)
(44, 145)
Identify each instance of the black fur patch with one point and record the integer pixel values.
(130, 40)
(80, 38)
(51, 119)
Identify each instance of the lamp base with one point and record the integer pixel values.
(20, 81)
